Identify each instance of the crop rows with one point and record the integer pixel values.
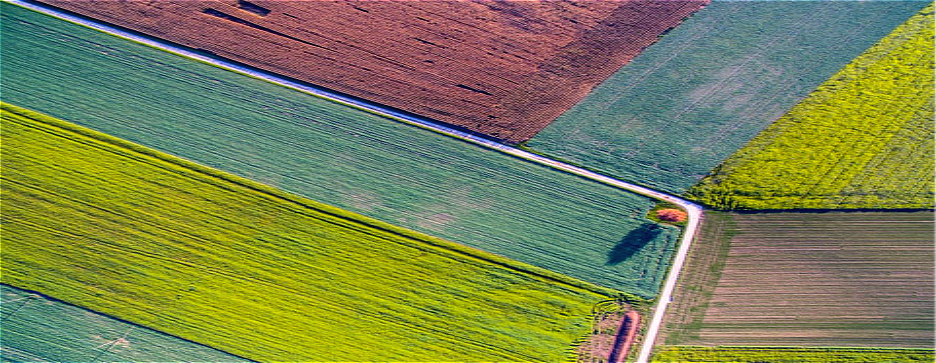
(808, 279)
(39, 329)
(504, 69)
(687, 103)
(864, 139)
(335, 154)
(241, 267)
(791, 355)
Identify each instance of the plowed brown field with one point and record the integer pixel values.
(504, 69)
(831, 279)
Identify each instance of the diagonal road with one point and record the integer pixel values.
(693, 210)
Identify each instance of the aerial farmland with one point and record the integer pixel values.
(536, 181)
(872, 118)
(712, 84)
(472, 64)
(357, 161)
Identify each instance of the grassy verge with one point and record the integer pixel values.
(239, 266)
(698, 280)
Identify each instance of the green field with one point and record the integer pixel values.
(791, 355)
(334, 154)
(705, 89)
(864, 139)
(832, 279)
(39, 329)
(238, 266)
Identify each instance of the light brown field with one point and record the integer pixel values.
(808, 279)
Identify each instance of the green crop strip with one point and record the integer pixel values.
(864, 139)
(223, 261)
(334, 154)
(687, 354)
(37, 329)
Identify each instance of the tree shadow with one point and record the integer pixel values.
(633, 242)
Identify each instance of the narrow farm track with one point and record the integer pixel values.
(694, 210)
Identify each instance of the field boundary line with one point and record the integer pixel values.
(85, 310)
(694, 210)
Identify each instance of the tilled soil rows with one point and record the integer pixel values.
(821, 279)
(503, 69)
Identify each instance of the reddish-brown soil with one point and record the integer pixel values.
(504, 69)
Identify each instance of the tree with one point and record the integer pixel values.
(671, 215)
